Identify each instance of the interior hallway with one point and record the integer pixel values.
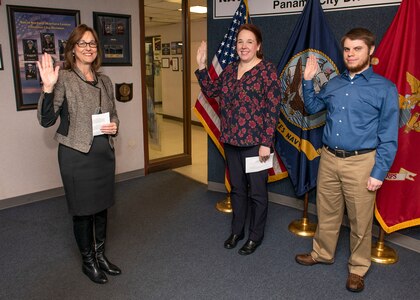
(168, 141)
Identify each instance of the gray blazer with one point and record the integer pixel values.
(75, 101)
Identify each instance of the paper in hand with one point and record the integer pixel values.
(97, 122)
(253, 164)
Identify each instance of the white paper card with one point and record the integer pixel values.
(253, 164)
(99, 120)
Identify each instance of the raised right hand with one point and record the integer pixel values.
(202, 55)
(49, 74)
(310, 68)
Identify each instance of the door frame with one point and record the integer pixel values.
(183, 159)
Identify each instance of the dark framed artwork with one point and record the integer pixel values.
(176, 48)
(166, 48)
(33, 31)
(114, 32)
(1, 60)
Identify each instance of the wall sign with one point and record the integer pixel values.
(260, 8)
(124, 91)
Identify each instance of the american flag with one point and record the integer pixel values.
(207, 109)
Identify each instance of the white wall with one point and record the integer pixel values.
(28, 151)
(198, 34)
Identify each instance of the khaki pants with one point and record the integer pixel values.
(342, 183)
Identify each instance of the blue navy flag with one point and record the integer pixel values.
(298, 135)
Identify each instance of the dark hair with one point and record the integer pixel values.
(75, 36)
(360, 34)
(258, 36)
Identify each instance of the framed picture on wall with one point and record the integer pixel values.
(165, 62)
(173, 48)
(166, 48)
(33, 31)
(114, 32)
(1, 60)
(157, 47)
(175, 64)
(176, 48)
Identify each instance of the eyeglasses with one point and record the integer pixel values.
(83, 44)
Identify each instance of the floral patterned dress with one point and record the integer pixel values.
(249, 107)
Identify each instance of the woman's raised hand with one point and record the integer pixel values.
(202, 55)
(49, 74)
(311, 67)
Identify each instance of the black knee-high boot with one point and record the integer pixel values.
(83, 231)
(100, 221)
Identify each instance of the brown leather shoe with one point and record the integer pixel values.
(355, 283)
(308, 260)
(305, 259)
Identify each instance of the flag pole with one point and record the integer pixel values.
(225, 205)
(381, 253)
(303, 227)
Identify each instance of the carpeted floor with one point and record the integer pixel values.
(167, 237)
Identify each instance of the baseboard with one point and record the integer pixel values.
(57, 192)
(395, 237)
(129, 175)
(30, 198)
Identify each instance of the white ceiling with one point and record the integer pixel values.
(165, 12)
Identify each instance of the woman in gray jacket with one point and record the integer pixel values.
(85, 154)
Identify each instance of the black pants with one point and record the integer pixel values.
(249, 192)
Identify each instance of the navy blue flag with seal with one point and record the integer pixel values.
(298, 135)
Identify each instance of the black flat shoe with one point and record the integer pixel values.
(233, 240)
(249, 247)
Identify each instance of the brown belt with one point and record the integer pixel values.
(344, 153)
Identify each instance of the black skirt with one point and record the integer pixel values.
(88, 178)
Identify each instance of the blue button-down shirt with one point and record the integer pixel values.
(362, 113)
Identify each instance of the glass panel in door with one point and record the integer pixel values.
(164, 78)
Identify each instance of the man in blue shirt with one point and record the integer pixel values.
(360, 142)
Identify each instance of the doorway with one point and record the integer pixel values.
(166, 94)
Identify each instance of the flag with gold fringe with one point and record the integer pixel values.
(298, 135)
(207, 109)
(396, 58)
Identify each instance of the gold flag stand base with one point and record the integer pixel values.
(302, 227)
(224, 205)
(381, 253)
